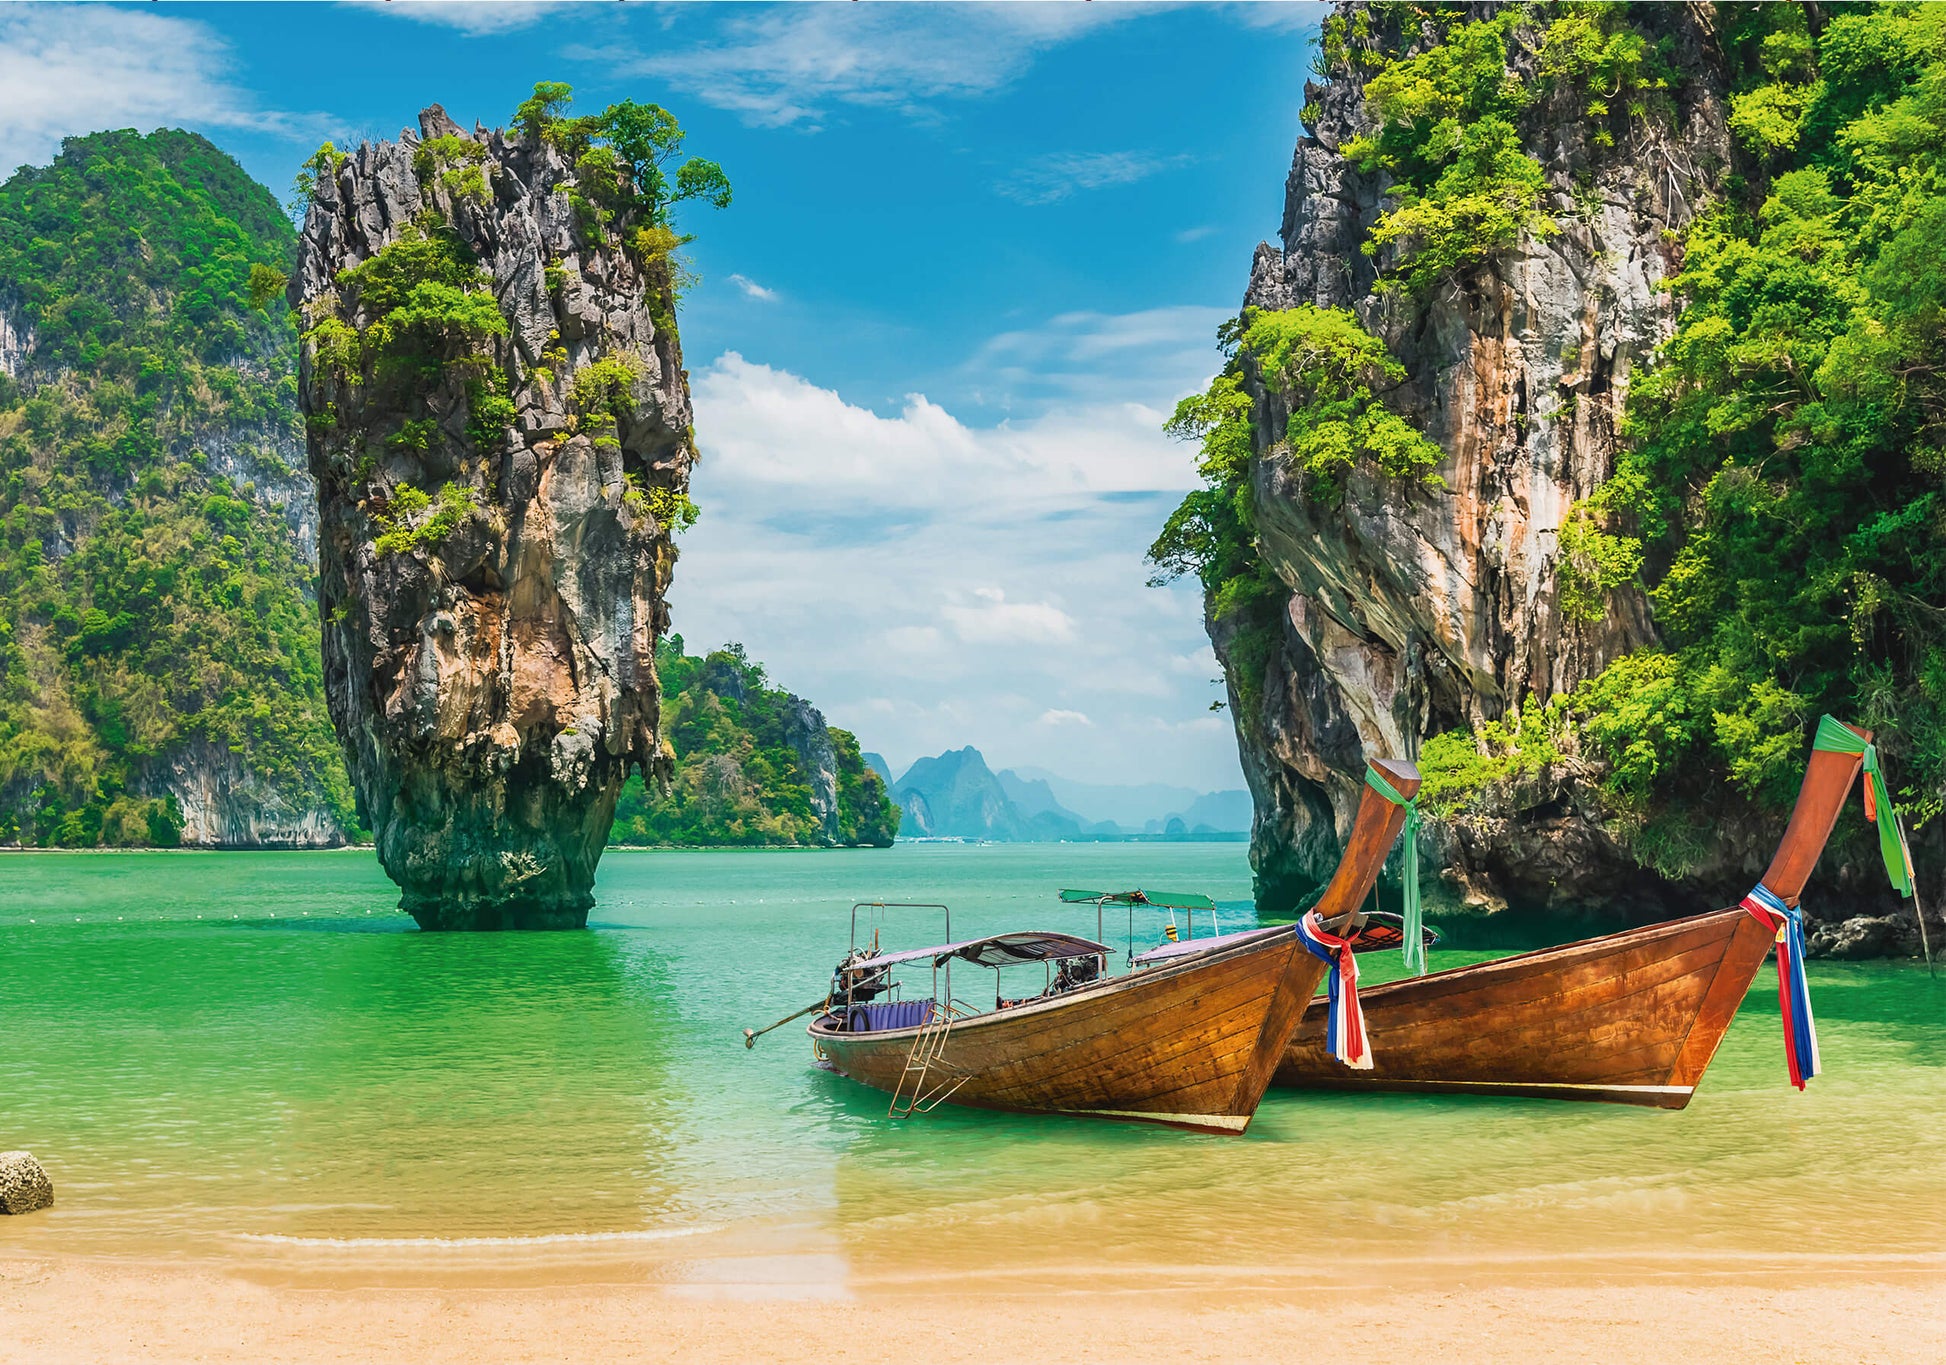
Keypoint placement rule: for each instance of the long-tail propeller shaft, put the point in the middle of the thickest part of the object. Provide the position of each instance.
(750, 1036)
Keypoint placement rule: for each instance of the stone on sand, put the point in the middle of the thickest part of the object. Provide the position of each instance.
(24, 1186)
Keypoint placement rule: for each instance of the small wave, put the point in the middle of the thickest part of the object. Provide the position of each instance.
(543, 1239)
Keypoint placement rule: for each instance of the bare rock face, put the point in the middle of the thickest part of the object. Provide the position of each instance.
(1413, 611)
(499, 429)
(809, 737)
(225, 805)
(24, 1186)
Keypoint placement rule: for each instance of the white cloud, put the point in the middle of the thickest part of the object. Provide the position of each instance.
(800, 450)
(996, 621)
(789, 64)
(1195, 234)
(474, 18)
(1159, 353)
(931, 583)
(72, 69)
(754, 290)
(1051, 179)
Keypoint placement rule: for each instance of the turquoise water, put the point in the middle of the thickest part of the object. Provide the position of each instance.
(255, 1055)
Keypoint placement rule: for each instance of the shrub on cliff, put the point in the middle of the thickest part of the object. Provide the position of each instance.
(1450, 117)
(1328, 372)
(630, 155)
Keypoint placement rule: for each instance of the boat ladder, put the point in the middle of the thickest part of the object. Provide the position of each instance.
(928, 1090)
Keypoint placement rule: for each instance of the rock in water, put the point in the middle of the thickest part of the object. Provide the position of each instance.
(499, 429)
(24, 1186)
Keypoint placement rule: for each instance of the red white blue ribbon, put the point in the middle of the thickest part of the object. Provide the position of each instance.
(1344, 1032)
(1793, 992)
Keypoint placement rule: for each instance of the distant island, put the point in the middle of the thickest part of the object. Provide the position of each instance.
(957, 796)
(755, 765)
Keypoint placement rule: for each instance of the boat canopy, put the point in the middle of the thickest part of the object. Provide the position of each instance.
(996, 950)
(1169, 951)
(1161, 900)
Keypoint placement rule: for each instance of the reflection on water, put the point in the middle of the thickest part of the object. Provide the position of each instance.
(298, 1073)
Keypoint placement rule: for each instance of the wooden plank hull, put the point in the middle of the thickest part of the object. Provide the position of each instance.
(1630, 1018)
(1191, 1045)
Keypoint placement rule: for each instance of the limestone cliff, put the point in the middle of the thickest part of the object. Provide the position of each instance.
(1413, 611)
(159, 675)
(499, 430)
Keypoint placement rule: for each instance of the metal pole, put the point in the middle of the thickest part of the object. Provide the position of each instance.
(1918, 910)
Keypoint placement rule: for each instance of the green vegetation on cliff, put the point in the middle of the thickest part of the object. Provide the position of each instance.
(1779, 494)
(1785, 482)
(748, 757)
(153, 596)
(1462, 187)
(1326, 370)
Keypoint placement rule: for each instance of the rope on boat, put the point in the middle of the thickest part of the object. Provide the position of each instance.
(1787, 921)
(1793, 990)
(1414, 945)
(1344, 1032)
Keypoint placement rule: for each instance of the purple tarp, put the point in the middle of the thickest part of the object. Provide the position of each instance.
(889, 1014)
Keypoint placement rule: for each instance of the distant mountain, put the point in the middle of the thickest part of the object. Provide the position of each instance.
(884, 770)
(957, 796)
(1035, 799)
(1228, 812)
(1147, 807)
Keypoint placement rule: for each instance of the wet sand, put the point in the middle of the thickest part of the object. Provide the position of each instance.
(59, 1309)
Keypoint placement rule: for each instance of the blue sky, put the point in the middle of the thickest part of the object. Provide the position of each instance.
(976, 255)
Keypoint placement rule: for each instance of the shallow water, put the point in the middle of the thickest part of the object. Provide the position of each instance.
(255, 1057)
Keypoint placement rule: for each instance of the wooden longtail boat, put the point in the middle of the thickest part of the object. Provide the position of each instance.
(1631, 1018)
(1189, 1042)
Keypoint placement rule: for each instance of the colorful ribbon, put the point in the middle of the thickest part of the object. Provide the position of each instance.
(1414, 944)
(1344, 1032)
(1834, 736)
(1793, 991)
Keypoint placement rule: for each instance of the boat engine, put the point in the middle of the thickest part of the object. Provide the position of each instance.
(1075, 972)
(857, 980)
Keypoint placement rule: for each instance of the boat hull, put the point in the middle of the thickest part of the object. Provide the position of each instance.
(1190, 1045)
(1630, 1018)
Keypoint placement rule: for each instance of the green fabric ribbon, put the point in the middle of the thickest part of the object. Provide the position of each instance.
(1414, 946)
(1836, 737)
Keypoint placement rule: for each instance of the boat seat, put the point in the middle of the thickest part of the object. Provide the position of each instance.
(889, 1014)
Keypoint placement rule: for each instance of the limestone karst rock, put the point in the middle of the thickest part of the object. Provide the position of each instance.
(499, 429)
(1414, 611)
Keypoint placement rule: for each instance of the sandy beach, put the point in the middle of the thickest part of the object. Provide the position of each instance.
(60, 1309)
